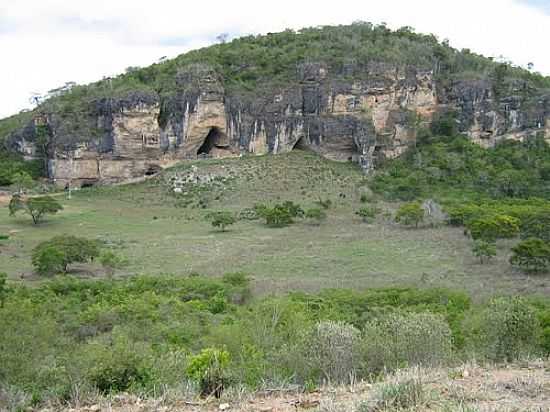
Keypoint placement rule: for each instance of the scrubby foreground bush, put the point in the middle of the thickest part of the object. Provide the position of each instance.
(71, 338)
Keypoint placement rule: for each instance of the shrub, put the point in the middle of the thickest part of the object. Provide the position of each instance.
(395, 396)
(118, 366)
(491, 228)
(36, 207)
(410, 214)
(279, 215)
(399, 340)
(531, 254)
(484, 250)
(368, 213)
(315, 215)
(111, 261)
(333, 349)
(536, 225)
(55, 255)
(506, 329)
(208, 368)
(221, 219)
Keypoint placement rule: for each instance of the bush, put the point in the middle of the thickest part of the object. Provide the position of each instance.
(536, 225)
(118, 366)
(111, 261)
(491, 228)
(36, 207)
(208, 368)
(410, 214)
(368, 213)
(55, 255)
(333, 350)
(395, 396)
(506, 330)
(400, 340)
(484, 250)
(279, 215)
(221, 219)
(315, 215)
(531, 254)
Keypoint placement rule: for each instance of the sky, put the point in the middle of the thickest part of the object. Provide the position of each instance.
(46, 43)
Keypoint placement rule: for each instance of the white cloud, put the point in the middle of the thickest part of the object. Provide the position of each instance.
(45, 43)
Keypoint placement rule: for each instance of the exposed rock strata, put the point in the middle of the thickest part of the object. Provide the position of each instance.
(347, 120)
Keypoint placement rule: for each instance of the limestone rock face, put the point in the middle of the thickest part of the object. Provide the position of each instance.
(373, 116)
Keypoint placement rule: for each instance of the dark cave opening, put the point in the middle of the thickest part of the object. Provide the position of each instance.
(213, 138)
(301, 144)
(152, 170)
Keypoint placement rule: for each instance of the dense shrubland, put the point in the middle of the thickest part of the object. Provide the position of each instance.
(71, 338)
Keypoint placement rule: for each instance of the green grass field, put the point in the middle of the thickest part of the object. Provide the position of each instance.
(148, 225)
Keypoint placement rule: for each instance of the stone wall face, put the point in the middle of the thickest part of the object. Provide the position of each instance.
(374, 116)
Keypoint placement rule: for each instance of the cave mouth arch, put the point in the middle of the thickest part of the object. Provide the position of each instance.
(213, 139)
(301, 144)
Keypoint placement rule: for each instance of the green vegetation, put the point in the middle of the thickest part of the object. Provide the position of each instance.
(55, 255)
(221, 219)
(484, 250)
(368, 213)
(491, 228)
(138, 333)
(410, 214)
(208, 368)
(111, 261)
(281, 214)
(532, 254)
(36, 207)
(454, 167)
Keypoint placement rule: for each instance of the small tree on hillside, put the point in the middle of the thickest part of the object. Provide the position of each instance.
(55, 255)
(221, 219)
(22, 181)
(484, 250)
(36, 207)
(531, 254)
(410, 214)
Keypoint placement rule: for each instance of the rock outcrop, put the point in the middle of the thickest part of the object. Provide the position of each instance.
(376, 115)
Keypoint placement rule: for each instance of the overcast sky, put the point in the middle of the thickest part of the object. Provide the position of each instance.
(45, 43)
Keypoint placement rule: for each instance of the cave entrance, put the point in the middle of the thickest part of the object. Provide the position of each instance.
(215, 144)
(301, 144)
(152, 170)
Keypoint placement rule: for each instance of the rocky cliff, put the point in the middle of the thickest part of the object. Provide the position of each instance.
(358, 112)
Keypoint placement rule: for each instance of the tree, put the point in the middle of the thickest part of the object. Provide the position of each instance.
(55, 255)
(491, 228)
(316, 215)
(111, 261)
(410, 214)
(221, 219)
(36, 207)
(22, 181)
(484, 250)
(532, 254)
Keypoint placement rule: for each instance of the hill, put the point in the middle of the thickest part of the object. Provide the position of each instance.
(358, 92)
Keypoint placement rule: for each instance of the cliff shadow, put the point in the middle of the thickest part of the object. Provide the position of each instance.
(216, 144)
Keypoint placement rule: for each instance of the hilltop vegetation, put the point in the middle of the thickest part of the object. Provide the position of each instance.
(249, 64)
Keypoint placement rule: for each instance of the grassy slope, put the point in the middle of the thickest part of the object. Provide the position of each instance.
(158, 237)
